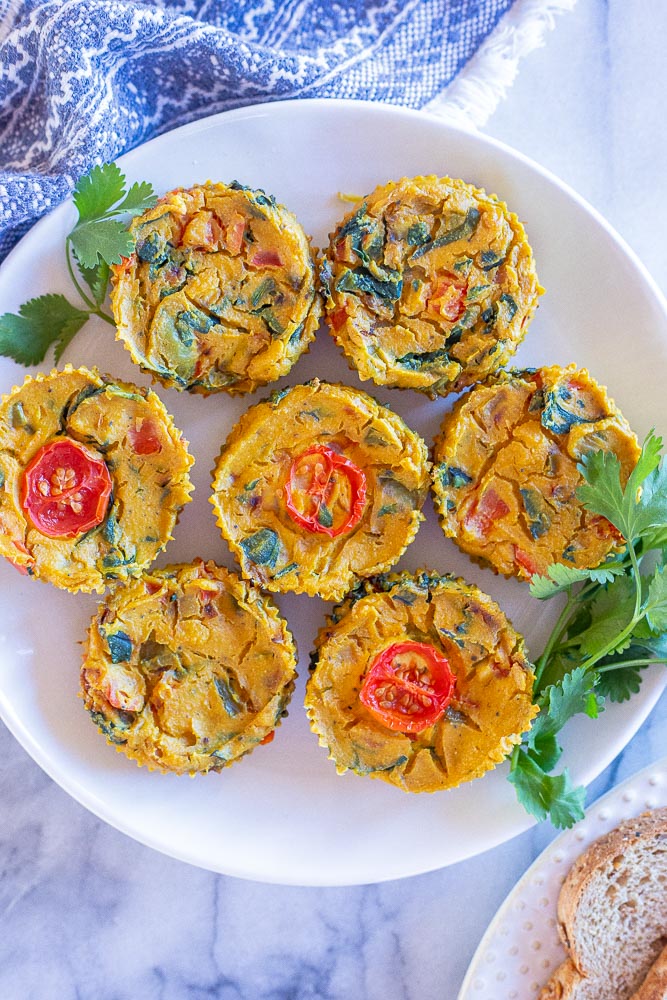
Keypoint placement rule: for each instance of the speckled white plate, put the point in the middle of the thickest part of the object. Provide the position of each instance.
(521, 947)
(283, 814)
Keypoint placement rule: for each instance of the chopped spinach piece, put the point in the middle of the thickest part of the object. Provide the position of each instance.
(325, 517)
(425, 359)
(228, 696)
(387, 508)
(285, 570)
(191, 321)
(2, 478)
(463, 231)
(109, 726)
(278, 394)
(250, 486)
(296, 335)
(537, 511)
(326, 277)
(558, 414)
(111, 530)
(451, 475)
(20, 420)
(490, 259)
(362, 280)
(373, 438)
(536, 404)
(120, 647)
(406, 597)
(418, 234)
(153, 249)
(264, 290)
(354, 223)
(270, 319)
(512, 307)
(476, 291)
(262, 548)
(463, 266)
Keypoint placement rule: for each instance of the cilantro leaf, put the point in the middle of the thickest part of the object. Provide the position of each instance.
(98, 191)
(545, 795)
(97, 241)
(643, 502)
(612, 610)
(97, 279)
(656, 608)
(140, 197)
(655, 539)
(602, 492)
(620, 683)
(559, 577)
(567, 801)
(571, 696)
(652, 502)
(40, 323)
(648, 462)
(105, 239)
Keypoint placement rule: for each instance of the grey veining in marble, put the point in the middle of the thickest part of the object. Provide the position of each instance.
(87, 913)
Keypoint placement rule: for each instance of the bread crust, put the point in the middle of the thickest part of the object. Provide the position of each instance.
(648, 827)
(654, 986)
(615, 894)
(564, 984)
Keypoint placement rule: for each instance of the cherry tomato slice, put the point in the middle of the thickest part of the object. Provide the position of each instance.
(66, 489)
(325, 492)
(408, 686)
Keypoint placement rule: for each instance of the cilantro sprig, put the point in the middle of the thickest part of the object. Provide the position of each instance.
(612, 626)
(98, 240)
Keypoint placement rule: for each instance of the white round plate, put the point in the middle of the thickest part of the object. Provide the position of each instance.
(283, 814)
(521, 948)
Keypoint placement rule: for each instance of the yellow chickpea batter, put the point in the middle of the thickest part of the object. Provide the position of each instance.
(505, 470)
(188, 668)
(430, 285)
(220, 292)
(93, 475)
(490, 706)
(317, 487)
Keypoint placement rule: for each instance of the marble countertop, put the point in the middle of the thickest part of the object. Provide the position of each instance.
(87, 912)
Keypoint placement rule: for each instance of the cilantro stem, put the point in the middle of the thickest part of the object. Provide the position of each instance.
(629, 663)
(638, 580)
(556, 633)
(92, 306)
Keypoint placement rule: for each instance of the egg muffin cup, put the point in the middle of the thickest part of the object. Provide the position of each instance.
(220, 293)
(188, 668)
(317, 487)
(93, 475)
(505, 471)
(420, 681)
(429, 285)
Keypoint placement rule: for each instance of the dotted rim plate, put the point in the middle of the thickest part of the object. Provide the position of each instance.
(521, 948)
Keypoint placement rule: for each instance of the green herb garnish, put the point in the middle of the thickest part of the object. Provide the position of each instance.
(613, 626)
(98, 240)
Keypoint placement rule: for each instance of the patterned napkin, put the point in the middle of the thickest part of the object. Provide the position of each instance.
(82, 81)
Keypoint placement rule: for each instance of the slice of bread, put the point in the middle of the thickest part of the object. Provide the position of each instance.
(612, 913)
(654, 986)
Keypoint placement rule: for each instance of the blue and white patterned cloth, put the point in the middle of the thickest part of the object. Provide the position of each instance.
(82, 81)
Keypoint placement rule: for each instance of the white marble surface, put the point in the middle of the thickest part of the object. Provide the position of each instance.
(85, 912)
